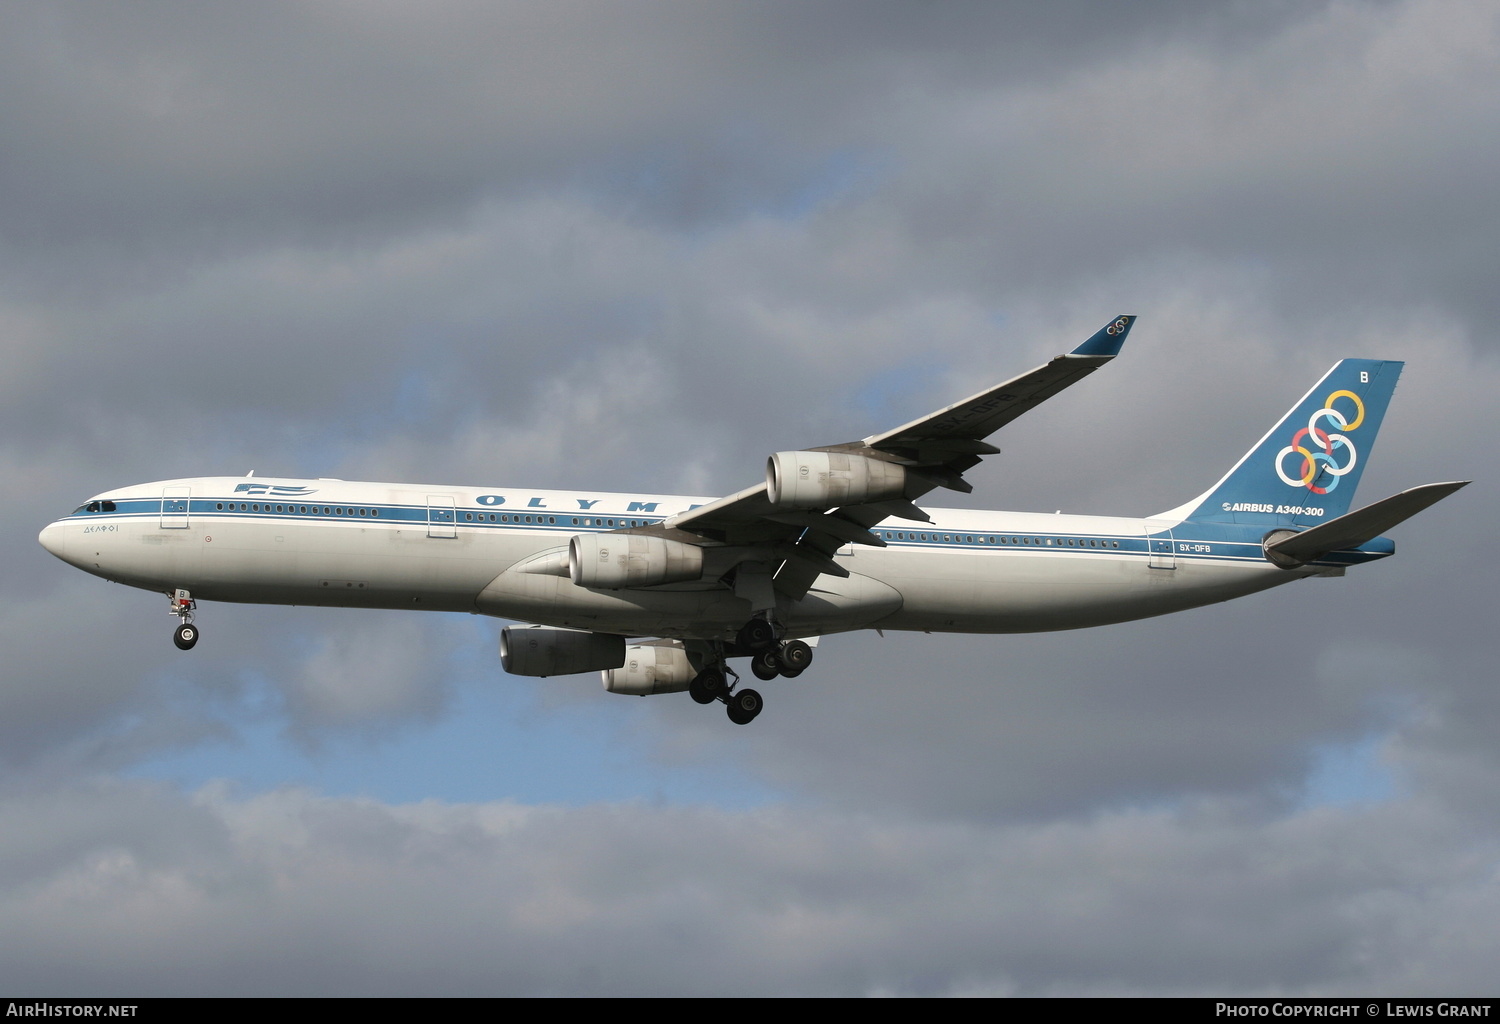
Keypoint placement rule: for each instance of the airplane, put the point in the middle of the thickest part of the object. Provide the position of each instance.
(659, 592)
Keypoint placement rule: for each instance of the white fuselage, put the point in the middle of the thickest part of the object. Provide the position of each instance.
(444, 548)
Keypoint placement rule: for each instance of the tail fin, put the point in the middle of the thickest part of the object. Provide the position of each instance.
(1305, 470)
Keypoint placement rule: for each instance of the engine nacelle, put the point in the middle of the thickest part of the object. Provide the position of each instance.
(614, 561)
(549, 651)
(651, 668)
(829, 479)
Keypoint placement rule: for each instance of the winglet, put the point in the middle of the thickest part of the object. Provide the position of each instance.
(1107, 341)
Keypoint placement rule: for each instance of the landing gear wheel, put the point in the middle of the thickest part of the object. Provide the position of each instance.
(756, 635)
(186, 635)
(794, 656)
(707, 686)
(744, 705)
(765, 665)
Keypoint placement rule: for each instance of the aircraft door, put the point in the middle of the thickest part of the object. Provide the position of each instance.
(1162, 548)
(442, 517)
(174, 507)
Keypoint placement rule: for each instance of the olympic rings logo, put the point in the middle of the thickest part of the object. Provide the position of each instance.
(1324, 443)
(1118, 327)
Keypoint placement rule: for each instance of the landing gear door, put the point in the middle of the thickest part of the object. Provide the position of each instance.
(1161, 548)
(442, 518)
(174, 507)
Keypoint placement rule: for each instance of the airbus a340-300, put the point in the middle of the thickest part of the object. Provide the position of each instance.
(659, 592)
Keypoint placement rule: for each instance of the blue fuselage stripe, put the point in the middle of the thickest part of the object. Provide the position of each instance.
(1210, 542)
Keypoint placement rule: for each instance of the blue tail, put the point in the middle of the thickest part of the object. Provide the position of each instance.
(1305, 470)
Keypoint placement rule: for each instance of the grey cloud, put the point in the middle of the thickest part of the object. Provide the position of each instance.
(289, 894)
(300, 119)
(338, 241)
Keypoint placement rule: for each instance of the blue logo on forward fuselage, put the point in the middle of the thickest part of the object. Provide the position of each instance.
(276, 489)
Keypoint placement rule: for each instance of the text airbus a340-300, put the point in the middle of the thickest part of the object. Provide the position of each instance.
(660, 592)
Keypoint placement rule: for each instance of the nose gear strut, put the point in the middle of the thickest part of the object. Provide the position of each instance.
(182, 606)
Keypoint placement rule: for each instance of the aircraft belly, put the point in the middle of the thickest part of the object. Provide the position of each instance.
(833, 605)
(557, 601)
(136, 554)
(322, 564)
(1015, 592)
(836, 605)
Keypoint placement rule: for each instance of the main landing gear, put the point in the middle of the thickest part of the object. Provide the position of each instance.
(709, 685)
(744, 705)
(788, 659)
(713, 684)
(771, 658)
(186, 634)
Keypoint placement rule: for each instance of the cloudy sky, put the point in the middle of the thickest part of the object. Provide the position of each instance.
(638, 247)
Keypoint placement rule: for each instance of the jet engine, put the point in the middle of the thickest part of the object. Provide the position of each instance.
(651, 668)
(549, 651)
(614, 561)
(829, 479)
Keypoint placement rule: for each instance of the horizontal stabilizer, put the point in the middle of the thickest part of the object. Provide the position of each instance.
(1354, 529)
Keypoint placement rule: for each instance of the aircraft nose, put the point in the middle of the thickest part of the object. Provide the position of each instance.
(53, 539)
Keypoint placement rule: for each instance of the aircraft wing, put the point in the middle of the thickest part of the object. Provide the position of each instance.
(933, 451)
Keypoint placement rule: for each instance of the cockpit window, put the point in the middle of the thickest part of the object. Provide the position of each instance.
(92, 506)
(95, 506)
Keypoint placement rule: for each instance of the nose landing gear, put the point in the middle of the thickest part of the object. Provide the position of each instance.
(182, 606)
